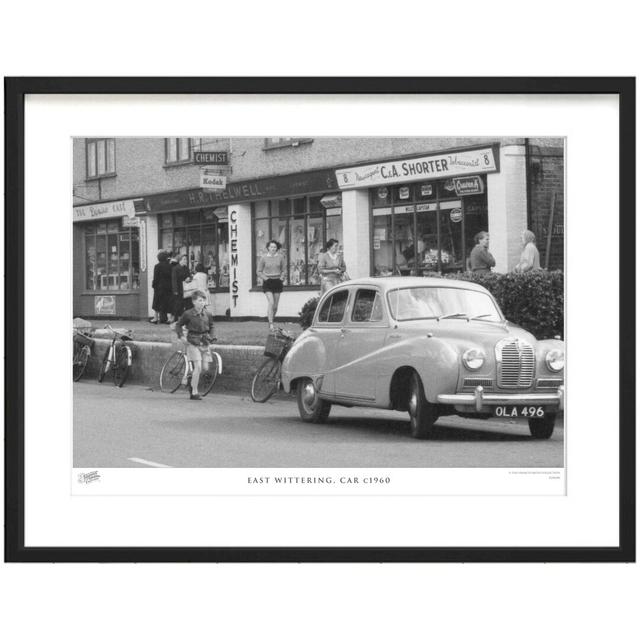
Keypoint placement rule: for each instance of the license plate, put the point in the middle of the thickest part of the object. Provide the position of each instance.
(502, 411)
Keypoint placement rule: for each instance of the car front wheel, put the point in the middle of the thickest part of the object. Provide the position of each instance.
(422, 414)
(542, 428)
(312, 408)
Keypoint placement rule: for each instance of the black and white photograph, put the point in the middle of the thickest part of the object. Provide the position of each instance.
(325, 312)
(324, 304)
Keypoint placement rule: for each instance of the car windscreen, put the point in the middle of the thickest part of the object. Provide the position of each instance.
(419, 303)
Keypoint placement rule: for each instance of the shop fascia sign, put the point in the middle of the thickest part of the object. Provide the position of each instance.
(431, 167)
(259, 189)
(116, 209)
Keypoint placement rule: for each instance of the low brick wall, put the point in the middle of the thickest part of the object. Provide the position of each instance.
(239, 363)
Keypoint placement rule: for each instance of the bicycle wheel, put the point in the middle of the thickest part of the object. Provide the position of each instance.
(121, 366)
(103, 365)
(208, 378)
(266, 380)
(80, 359)
(173, 371)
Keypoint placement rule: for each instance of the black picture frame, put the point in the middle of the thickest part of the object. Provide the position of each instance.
(16, 89)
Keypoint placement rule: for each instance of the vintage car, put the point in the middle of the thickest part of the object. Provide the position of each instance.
(428, 346)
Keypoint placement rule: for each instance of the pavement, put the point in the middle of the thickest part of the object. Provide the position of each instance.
(249, 332)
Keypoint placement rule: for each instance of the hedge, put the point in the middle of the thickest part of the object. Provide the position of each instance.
(533, 300)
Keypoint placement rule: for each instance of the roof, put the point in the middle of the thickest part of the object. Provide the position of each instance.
(394, 282)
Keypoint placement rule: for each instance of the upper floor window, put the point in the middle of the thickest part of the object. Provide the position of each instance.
(180, 150)
(101, 157)
(276, 143)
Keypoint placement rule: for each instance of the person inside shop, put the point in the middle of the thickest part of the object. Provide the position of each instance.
(195, 329)
(331, 266)
(162, 303)
(480, 260)
(179, 273)
(271, 270)
(530, 256)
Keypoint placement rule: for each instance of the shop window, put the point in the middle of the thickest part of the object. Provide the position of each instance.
(112, 257)
(427, 228)
(180, 150)
(301, 226)
(101, 157)
(203, 236)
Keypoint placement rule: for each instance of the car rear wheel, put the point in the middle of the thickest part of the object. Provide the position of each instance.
(312, 408)
(542, 428)
(422, 414)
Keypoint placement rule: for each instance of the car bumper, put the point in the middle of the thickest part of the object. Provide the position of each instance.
(479, 399)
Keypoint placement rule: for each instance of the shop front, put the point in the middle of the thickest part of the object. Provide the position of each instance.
(407, 216)
(227, 230)
(424, 211)
(109, 248)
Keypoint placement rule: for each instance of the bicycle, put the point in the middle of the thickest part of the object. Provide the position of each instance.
(82, 345)
(266, 380)
(118, 357)
(178, 369)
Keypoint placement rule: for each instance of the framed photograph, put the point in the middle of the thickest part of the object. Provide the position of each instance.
(320, 319)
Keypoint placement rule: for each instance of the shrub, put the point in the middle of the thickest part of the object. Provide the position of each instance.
(305, 317)
(533, 300)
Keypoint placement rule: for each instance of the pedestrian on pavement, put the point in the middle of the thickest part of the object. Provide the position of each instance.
(272, 270)
(201, 282)
(200, 333)
(480, 260)
(530, 256)
(179, 273)
(331, 266)
(162, 294)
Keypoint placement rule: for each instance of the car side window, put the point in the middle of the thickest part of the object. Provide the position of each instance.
(333, 308)
(367, 306)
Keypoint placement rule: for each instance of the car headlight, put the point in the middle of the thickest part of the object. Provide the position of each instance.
(473, 358)
(555, 360)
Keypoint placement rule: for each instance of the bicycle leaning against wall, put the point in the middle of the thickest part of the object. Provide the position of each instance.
(82, 345)
(266, 380)
(118, 357)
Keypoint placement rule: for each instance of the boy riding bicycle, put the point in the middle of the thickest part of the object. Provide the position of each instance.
(197, 323)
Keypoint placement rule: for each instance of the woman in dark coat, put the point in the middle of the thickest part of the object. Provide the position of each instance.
(179, 273)
(162, 293)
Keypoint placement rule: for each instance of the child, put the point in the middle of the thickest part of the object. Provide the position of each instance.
(198, 323)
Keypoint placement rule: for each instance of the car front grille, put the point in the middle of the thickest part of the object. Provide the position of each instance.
(516, 364)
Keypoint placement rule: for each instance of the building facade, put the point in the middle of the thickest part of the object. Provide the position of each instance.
(405, 206)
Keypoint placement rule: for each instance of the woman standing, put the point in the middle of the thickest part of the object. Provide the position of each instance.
(530, 257)
(330, 266)
(201, 281)
(271, 270)
(480, 260)
(179, 274)
(162, 298)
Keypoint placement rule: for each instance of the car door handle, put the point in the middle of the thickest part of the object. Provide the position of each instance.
(395, 336)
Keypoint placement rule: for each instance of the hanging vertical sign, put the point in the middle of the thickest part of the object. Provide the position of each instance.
(233, 255)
